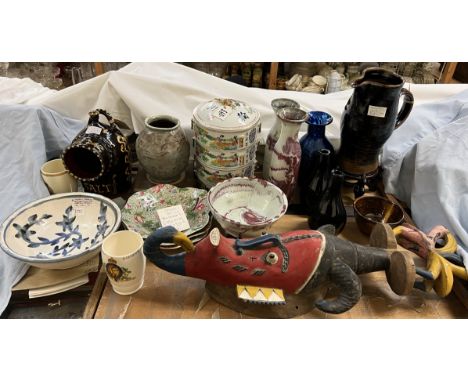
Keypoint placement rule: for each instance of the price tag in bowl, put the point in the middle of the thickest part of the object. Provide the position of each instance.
(80, 204)
(174, 216)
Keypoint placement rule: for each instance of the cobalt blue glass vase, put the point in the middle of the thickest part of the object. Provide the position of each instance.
(312, 143)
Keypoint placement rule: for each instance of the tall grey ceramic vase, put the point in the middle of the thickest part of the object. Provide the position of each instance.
(163, 150)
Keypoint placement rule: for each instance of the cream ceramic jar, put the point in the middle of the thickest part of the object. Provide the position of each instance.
(224, 159)
(226, 133)
(226, 124)
(209, 176)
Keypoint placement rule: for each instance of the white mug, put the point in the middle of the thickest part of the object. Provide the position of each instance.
(57, 178)
(124, 262)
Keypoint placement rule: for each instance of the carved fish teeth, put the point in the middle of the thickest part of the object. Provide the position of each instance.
(260, 294)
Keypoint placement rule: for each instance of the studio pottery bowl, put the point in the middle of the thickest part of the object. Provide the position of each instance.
(246, 206)
(369, 210)
(60, 231)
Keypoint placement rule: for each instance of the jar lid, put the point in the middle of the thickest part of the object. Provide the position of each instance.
(226, 115)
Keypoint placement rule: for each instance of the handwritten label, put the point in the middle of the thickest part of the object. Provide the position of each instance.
(221, 112)
(93, 130)
(377, 111)
(174, 216)
(79, 205)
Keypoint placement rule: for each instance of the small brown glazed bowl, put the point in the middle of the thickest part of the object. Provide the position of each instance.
(369, 210)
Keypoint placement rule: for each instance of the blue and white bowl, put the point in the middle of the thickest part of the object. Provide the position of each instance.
(60, 231)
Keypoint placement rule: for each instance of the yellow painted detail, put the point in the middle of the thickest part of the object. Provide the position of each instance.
(433, 264)
(444, 283)
(443, 272)
(252, 291)
(279, 292)
(450, 246)
(459, 272)
(260, 293)
(181, 239)
(267, 292)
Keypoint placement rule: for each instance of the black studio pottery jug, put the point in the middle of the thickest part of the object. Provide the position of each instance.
(99, 157)
(369, 118)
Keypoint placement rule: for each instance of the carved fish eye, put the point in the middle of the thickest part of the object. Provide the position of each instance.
(271, 258)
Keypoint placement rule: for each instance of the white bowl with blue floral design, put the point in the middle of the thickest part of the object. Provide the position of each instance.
(60, 231)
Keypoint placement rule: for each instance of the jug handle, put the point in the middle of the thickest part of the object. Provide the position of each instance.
(405, 108)
(94, 116)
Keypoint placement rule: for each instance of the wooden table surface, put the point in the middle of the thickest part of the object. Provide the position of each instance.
(165, 295)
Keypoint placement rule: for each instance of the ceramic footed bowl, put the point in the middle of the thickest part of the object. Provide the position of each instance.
(246, 206)
(60, 231)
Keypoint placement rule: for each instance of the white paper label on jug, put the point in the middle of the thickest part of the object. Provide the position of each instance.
(377, 111)
(221, 112)
(93, 130)
(79, 205)
(174, 216)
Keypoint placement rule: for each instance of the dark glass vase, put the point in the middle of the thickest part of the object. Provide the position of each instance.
(99, 157)
(312, 143)
(329, 209)
(319, 180)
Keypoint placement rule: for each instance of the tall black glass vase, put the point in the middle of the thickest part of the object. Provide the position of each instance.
(329, 208)
(318, 179)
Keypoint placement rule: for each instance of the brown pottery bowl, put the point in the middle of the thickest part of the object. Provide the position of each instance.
(369, 210)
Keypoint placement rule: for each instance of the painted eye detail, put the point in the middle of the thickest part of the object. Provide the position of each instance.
(271, 258)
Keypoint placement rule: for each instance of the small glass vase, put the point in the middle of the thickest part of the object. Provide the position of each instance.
(329, 209)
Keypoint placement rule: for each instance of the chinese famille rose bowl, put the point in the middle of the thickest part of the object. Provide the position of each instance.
(140, 212)
(246, 206)
(60, 231)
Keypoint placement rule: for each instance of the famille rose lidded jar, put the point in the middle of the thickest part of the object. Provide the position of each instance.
(226, 134)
